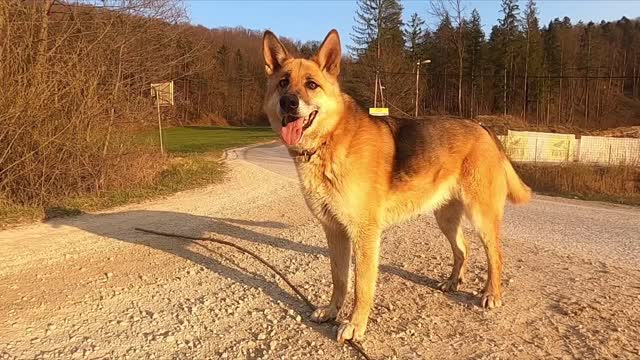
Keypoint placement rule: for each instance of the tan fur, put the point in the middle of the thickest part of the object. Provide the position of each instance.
(366, 173)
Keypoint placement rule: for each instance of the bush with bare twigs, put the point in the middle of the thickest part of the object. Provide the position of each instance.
(75, 82)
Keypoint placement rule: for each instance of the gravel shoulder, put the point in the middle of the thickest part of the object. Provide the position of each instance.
(93, 287)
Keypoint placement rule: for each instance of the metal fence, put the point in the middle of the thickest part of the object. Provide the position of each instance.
(527, 146)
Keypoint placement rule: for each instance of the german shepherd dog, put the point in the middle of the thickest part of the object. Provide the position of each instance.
(361, 174)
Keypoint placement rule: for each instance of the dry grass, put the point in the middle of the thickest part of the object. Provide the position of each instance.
(180, 174)
(619, 184)
(138, 176)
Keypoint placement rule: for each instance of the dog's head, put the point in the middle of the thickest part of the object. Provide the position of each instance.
(303, 99)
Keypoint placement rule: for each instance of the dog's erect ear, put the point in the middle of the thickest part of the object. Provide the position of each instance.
(274, 52)
(330, 54)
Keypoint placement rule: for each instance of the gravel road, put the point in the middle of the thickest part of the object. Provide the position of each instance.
(91, 287)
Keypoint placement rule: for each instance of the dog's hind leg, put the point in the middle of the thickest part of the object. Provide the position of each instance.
(340, 257)
(449, 219)
(486, 220)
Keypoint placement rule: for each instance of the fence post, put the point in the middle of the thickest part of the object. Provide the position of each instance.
(609, 153)
(535, 155)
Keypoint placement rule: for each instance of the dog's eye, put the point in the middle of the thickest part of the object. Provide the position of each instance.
(311, 85)
(284, 83)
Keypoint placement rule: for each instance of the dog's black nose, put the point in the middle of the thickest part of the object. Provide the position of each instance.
(289, 104)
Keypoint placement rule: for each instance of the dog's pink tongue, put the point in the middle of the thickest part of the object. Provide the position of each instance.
(292, 133)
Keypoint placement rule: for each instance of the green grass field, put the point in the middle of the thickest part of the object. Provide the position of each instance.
(211, 139)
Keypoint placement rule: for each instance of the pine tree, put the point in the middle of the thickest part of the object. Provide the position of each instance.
(414, 35)
(552, 55)
(533, 55)
(506, 36)
(474, 46)
(441, 64)
(454, 11)
(379, 52)
(377, 22)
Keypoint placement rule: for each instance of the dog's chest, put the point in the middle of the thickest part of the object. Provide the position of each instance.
(320, 187)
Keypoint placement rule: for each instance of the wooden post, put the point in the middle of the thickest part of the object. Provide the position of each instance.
(159, 122)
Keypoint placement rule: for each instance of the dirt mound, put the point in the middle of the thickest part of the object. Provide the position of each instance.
(625, 131)
(501, 124)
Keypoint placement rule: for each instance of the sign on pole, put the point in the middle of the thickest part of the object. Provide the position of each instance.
(163, 94)
(379, 111)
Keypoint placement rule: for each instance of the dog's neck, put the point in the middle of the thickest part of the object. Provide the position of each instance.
(303, 155)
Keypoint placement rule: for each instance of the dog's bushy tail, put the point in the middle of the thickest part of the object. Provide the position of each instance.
(518, 191)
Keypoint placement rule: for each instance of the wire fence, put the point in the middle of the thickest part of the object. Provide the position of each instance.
(527, 146)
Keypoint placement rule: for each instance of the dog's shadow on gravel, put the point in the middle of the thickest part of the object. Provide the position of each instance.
(121, 226)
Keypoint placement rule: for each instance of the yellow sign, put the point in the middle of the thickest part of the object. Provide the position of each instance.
(379, 111)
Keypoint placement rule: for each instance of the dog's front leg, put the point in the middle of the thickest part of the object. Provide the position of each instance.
(366, 246)
(340, 257)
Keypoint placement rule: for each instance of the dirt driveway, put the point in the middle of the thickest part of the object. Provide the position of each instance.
(91, 287)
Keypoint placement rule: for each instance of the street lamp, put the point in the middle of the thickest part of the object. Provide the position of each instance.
(418, 79)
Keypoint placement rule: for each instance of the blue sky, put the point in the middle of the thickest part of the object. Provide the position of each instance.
(312, 19)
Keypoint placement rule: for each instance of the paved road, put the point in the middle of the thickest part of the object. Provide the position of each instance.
(556, 222)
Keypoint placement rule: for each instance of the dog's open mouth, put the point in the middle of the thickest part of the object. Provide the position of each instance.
(293, 128)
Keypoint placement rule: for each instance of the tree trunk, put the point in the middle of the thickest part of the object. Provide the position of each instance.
(572, 101)
(481, 104)
(41, 57)
(504, 93)
(586, 106)
(624, 73)
(560, 88)
(526, 76)
(445, 90)
(460, 86)
(635, 76)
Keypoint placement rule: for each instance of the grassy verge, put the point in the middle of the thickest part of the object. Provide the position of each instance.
(192, 162)
(211, 140)
(618, 184)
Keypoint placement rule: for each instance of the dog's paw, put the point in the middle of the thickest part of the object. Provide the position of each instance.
(350, 331)
(450, 285)
(490, 300)
(324, 313)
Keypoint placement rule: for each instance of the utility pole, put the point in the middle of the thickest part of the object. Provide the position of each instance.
(375, 96)
(418, 81)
